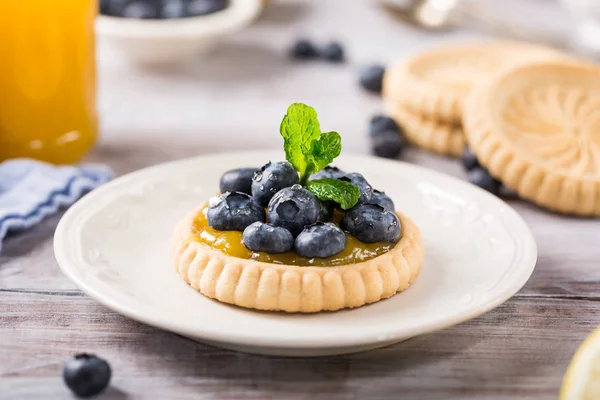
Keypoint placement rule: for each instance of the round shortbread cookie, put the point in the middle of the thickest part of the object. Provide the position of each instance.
(435, 83)
(276, 287)
(537, 129)
(440, 137)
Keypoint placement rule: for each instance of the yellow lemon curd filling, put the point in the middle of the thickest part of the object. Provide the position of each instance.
(230, 243)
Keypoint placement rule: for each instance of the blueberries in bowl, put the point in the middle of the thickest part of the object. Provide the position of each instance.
(271, 178)
(237, 180)
(157, 9)
(371, 223)
(321, 239)
(293, 208)
(270, 239)
(86, 375)
(234, 211)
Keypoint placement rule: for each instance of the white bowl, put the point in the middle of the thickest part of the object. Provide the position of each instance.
(166, 41)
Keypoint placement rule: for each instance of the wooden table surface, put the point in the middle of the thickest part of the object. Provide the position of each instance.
(235, 99)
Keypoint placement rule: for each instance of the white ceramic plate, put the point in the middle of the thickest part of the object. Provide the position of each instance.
(114, 245)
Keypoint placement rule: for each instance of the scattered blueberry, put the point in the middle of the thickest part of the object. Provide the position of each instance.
(388, 144)
(321, 239)
(293, 208)
(237, 180)
(326, 211)
(303, 50)
(140, 10)
(383, 200)
(270, 239)
(482, 178)
(381, 123)
(173, 9)
(371, 223)
(469, 160)
(371, 78)
(328, 172)
(366, 191)
(234, 211)
(271, 178)
(198, 8)
(333, 52)
(86, 375)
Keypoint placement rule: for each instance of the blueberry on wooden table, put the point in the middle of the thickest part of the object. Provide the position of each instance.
(198, 8)
(388, 144)
(321, 239)
(303, 49)
(469, 160)
(86, 375)
(381, 123)
(333, 52)
(480, 177)
(371, 78)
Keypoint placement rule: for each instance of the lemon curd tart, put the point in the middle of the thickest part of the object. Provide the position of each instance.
(298, 235)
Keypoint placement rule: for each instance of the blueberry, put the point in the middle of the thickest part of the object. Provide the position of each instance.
(321, 239)
(271, 179)
(293, 208)
(198, 8)
(270, 239)
(234, 211)
(469, 160)
(86, 375)
(371, 78)
(303, 50)
(328, 172)
(381, 123)
(383, 200)
(140, 10)
(173, 9)
(237, 180)
(112, 7)
(388, 144)
(366, 191)
(371, 223)
(482, 178)
(326, 211)
(333, 52)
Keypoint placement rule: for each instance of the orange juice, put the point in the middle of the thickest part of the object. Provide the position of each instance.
(47, 79)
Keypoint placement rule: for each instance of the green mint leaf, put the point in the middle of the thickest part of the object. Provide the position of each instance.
(323, 150)
(343, 193)
(299, 128)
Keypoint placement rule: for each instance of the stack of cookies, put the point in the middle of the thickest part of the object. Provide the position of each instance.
(530, 116)
(425, 94)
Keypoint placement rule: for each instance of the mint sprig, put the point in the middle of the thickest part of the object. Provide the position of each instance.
(309, 151)
(343, 193)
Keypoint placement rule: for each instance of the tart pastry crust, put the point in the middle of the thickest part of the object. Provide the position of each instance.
(537, 129)
(275, 287)
(439, 137)
(435, 83)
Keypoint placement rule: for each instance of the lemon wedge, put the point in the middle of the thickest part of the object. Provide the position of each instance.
(582, 380)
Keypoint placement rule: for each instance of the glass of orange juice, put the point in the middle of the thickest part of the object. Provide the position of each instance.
(47, 79)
